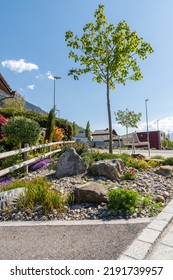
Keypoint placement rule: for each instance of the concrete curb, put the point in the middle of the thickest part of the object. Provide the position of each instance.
(74, 223)
(144, 243)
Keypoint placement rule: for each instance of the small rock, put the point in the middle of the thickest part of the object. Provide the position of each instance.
(160, 198)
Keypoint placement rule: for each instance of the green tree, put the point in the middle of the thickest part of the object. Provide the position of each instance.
(75, 129)
(50, 125)
(20, 130)
(17, 103)
(88, 131)
(127, 118)
(109, 52)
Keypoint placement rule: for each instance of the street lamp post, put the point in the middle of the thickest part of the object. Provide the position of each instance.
(55, 78)
(148, 138)
(158, 125)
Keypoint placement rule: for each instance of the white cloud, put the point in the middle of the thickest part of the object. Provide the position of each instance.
(165, 125)
(32, 87)
(19, 66)
(39, 76)
(49, 75)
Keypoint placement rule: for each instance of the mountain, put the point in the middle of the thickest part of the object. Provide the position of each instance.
(34, 108)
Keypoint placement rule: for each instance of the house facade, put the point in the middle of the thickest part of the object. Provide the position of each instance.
(80, 137)
(100, 138)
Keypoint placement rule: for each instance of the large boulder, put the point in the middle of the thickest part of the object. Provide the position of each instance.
(70, 164)
(10, 198)
(111, 169)
(165, 170)
(91, 192)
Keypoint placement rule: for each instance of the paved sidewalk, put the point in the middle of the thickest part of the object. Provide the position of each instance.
(155, 242)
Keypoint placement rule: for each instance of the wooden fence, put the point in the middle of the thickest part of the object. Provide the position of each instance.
(27, 161)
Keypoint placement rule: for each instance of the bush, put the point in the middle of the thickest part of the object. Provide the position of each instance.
(11, 161)
(122, 199)
(168, 161)
(20, 130)
(92, 157)
(39, 192)
(80, 147)
(130, 174)
(128, 201)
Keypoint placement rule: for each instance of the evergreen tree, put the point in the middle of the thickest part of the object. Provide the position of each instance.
(50, 125)
(88, 131)
(75, 129)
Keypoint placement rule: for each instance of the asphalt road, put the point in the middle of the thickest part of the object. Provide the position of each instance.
(95, 241)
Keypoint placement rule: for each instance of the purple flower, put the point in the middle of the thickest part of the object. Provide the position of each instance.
(39, 164)
(5, 181)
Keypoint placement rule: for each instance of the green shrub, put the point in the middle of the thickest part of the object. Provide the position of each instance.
(39, 192)
(92, 157)
(11, 161)
(157, 157)
(129, 174)
(122, 199)
(80, 147)
(128, 201)
(153, 163)
(168, 161)
(20, 130)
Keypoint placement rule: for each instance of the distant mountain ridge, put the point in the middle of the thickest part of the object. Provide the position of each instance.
(28, 105)
(34, 108)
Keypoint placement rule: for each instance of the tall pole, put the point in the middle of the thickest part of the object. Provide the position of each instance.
(158, 125)
(55, 78)
(148, 138)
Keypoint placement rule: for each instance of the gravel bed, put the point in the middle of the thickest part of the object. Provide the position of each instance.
(147, 182)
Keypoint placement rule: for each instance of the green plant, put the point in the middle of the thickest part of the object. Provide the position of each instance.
(80, 147)
(129, 201)
(122, 199)
(50, 125)
(110, 53)
(91, 157)
(157, 157)
(148, 202)
(39, 192)
(129, 174)
(20, 130)
(127, 118)
(11, 161)
(88, 131)
(168, 161)
(153, 163)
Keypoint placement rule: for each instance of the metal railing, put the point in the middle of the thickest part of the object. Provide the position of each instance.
(25, 152)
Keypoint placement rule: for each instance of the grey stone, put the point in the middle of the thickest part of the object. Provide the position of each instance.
(165, 170)
(160, 198)
(10, 198)
(70, 164)
(111, 169)
(91, 192)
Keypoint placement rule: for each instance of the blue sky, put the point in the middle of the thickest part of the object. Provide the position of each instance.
(33, 49)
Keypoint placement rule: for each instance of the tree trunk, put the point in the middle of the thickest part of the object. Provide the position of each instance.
(109, 117)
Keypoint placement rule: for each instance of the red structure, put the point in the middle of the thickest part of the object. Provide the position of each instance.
(155, 138)
(4, 86)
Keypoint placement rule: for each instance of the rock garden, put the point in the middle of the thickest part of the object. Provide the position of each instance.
(92, 185)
